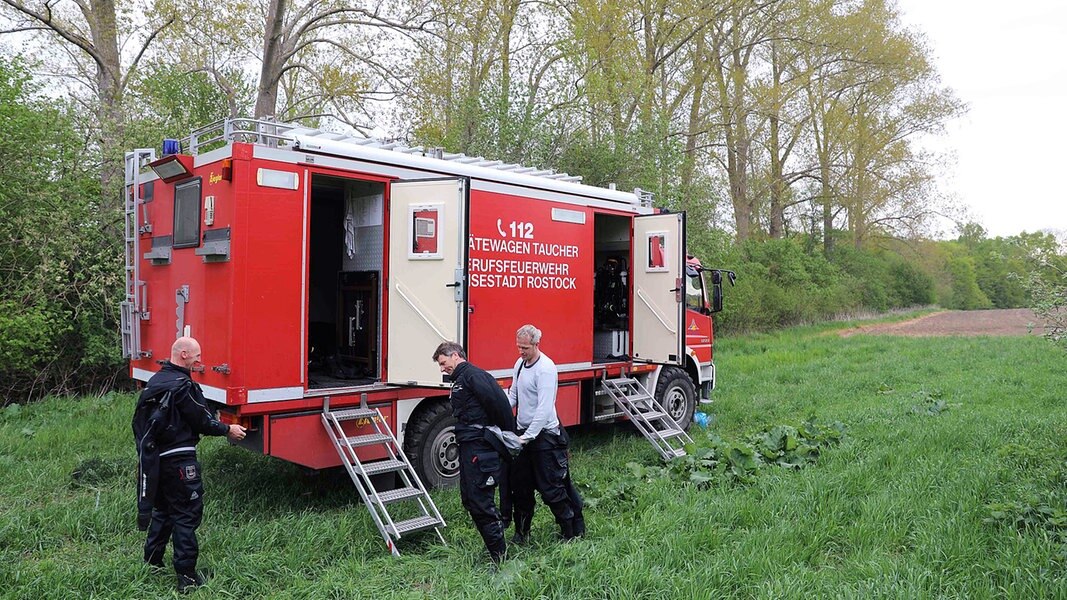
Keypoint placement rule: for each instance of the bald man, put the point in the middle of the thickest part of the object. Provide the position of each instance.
(178, 503)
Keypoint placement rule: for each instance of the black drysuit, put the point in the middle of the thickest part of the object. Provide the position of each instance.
(478, 402)
(178, 500)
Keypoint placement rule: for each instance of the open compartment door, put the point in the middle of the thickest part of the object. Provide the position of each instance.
(658, 307)
(427, 276)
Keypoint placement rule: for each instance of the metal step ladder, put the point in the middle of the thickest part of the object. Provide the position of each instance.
(648, 416)
(411, 488)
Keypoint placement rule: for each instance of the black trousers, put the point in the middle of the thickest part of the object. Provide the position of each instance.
(481, 470)
(176, 513)
(544, 466)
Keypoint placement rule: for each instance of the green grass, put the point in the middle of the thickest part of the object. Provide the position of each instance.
(898, 510)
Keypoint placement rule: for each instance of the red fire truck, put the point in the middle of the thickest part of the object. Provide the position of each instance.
(320, 271)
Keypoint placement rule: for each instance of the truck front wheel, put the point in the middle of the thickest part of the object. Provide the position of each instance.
(430, 444)
(677, 395)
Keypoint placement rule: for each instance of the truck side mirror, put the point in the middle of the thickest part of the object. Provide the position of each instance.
(716, 287)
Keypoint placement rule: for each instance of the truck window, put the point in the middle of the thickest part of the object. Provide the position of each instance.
(187, 214)
(694, 291)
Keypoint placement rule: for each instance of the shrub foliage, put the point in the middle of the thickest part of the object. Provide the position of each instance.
(59, 277)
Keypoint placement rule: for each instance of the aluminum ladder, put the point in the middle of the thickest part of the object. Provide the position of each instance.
(411, 488)
(648, 416)
(132, 309)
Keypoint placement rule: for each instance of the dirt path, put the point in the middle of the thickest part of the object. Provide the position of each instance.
(1008, 321)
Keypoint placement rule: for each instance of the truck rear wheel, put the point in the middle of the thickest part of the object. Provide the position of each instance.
(677, 395)
(430, 444)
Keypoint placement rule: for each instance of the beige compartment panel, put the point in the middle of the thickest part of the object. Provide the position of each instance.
(657, 270)
(426, 236)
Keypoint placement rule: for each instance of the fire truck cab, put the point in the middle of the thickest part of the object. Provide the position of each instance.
(322, 269)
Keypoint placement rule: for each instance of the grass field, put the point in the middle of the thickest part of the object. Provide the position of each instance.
(951, 483)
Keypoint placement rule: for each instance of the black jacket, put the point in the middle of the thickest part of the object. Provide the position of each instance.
(197, 419)
(478, 401)
(163, 424)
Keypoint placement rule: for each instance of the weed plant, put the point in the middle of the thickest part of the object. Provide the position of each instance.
(950, 483)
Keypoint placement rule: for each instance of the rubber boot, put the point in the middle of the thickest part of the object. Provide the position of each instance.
(493, 536)
(188, 582)
(578, 523)
(523, 521)
(498, 556)
(566, 529)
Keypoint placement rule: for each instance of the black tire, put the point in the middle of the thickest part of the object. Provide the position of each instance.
(677, 395)
(430, 444)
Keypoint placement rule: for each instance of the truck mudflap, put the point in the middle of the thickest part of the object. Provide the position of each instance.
(705, 393)
(707, 382)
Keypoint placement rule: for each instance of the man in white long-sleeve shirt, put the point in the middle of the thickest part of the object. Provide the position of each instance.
(544, 463)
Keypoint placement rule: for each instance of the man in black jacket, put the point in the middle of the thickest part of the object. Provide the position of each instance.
(178, 503)
(478, 403)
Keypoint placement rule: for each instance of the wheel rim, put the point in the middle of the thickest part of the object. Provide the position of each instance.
(675, 402)
(445, 454)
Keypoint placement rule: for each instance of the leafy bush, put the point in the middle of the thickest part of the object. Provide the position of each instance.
(910, 286)
(965, 293)
(1047, 286)
(780, 283)
(870, 274)
(1002, 264)
(59, 269)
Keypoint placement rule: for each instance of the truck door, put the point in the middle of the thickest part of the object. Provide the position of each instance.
(427, 276)
(658, 288)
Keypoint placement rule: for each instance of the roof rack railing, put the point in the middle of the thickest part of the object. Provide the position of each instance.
(644, 197)
(281, 135)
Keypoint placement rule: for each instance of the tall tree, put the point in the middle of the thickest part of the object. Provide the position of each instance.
(215, 38)
(786, 115)
(331, 55)
(899, 98)
(732, 50)
(492, 79)
(833, 71)
(95, 32)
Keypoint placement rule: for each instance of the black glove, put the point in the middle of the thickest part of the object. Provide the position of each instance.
(143, 520)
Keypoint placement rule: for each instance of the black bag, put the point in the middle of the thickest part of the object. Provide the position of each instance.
(155, 421)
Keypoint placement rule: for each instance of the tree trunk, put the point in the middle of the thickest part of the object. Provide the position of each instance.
(827, 221)
(109, 83)
(507, 24)
(270, 72)
(777, 191)
(688, 171)
(737, 166)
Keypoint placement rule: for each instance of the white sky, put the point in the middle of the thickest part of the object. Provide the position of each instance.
(1008, 62)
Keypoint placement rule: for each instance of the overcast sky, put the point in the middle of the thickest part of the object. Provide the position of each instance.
(1008, 62)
